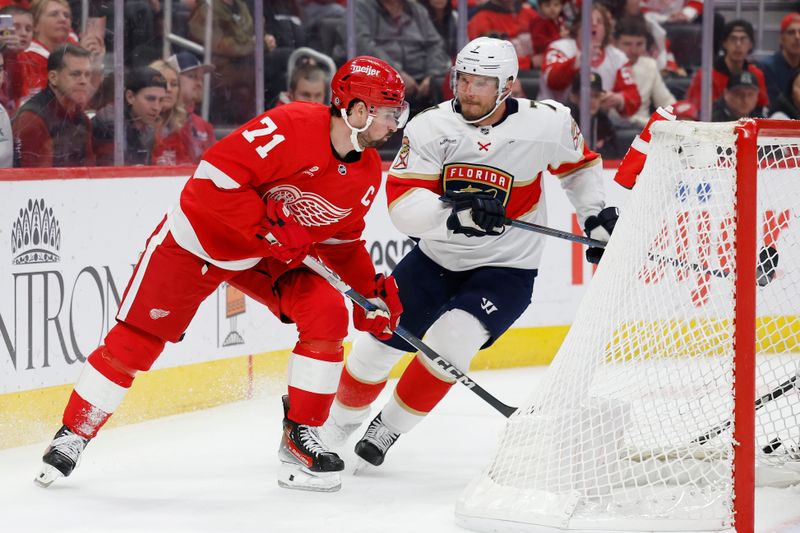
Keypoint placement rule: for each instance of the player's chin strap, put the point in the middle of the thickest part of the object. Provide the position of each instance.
(500, 100)
(355, 131)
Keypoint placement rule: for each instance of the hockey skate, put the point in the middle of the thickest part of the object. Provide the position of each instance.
(61, 456)
(306, 463)
(376, 442)
(335, 432)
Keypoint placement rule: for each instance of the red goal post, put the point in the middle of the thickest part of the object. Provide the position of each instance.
(675, 390)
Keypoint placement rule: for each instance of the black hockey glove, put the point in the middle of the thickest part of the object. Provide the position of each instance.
(600, 227)
(475, 214)
(767, 264)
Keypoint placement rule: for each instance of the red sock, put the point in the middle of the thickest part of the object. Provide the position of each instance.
(419, 389)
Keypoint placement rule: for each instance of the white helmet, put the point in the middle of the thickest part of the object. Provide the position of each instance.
(487, 56)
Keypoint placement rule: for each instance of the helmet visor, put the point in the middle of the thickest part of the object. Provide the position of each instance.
(474, 84)
(391, 117)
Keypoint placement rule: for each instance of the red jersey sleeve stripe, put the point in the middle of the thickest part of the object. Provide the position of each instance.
(563, 170)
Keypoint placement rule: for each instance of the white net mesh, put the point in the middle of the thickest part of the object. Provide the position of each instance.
(629, 429)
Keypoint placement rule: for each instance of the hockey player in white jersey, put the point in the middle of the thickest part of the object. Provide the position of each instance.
(464, 166)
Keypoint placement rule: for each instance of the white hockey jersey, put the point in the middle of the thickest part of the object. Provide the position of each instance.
(441, 152)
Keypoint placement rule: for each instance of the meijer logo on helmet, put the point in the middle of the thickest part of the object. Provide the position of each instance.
(365, 69)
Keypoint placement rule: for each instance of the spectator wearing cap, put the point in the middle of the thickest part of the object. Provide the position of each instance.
(51, 129)
(145, 90)
(739, 99)
(780, 66)
(631, 37)
(602, 134)
(197, 134)
(737, 43)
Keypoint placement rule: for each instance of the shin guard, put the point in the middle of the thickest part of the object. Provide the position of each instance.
(417, 393)
(100, 389)
(313, 377)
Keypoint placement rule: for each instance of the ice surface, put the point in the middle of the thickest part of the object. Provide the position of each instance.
(215, 471)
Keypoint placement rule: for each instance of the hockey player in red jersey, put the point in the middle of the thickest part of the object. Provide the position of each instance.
(295, 180)
(469, 278)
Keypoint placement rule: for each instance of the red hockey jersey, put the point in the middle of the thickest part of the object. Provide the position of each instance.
(284, 154)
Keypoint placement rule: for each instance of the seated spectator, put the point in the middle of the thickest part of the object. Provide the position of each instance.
(561, 65)
(6, 135)
(445, 20)
(145, 90)
(506, 19)
(601, 135)
(737, 43)
(307, 84)
(169, 148)
(780, 66)
(51, 129)
(631, 37)
(788, 104)
(232, 49)
(547, 28)
(197, 133)
(52, 27)
(673, 10)
(17, 41)
(401, 33)
(739, 99)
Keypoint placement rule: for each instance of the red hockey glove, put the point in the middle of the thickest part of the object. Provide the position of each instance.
(288, 239)
(383, 321)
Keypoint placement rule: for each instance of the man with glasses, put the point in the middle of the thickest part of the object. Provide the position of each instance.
(295, 180)
(464, 166)
(737, 42)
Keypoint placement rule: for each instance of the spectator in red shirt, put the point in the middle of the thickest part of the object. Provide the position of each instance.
(197, 133)
(562, 63)
(52, 27)
(548, 27)
(506, 20)
(169, 148)
(12, 44)
(51, 129)
(737, 43)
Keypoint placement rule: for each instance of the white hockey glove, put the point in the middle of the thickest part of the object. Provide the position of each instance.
(600, 227)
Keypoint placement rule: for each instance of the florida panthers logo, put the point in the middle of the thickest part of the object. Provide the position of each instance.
(310, 209)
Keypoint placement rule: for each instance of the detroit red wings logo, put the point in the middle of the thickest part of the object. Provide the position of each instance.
(310, 209)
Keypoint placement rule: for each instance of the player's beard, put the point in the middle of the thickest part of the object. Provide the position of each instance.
(366, 142)
(469, 111)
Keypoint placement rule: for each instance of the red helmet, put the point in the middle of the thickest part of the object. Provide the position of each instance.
(370, 80)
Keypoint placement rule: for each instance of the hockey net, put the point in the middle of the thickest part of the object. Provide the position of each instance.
(644, 420)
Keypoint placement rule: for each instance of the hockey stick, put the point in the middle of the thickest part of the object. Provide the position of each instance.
(767, 257)
(331, 277)
(775, 393)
